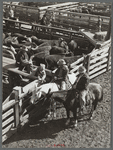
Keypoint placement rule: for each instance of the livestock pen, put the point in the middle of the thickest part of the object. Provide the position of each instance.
(97, 62)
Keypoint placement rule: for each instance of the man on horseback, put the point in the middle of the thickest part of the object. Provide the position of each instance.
(61, 73)
(81, 85)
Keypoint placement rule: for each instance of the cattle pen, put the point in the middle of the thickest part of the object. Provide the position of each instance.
(96, 63)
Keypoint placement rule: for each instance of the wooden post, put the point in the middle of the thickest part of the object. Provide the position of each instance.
(17, 91)
(86, 62)
(109, 31)
(33, 94)
(109, 55)
(99, 24)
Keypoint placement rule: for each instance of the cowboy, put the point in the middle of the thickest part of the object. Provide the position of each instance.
(81, 85)
(40, 73)
(61, 73)
(22, 59)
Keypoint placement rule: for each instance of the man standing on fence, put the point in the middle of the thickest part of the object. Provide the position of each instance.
(61, 73)
(22, 59)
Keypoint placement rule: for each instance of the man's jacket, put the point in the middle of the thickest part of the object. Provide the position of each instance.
(62, 72)
(22, 58)
(82, 81)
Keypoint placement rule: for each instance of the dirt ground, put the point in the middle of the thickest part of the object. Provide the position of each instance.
(95, 133)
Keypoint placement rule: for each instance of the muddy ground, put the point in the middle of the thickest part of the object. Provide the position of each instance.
(93, 133)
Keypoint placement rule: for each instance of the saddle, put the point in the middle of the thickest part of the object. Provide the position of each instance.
(67, 82)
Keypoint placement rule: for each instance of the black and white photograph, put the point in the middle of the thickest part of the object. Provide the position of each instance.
(56, 74)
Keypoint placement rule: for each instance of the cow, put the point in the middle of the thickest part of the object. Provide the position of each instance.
(42, 49)
(42, 42)
(51, 60)
(40, 58)
(20, 37)
(84, 48)
(58, 50)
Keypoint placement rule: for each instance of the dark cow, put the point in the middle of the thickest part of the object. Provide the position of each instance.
(42, 49)
(59, 43)
(40, 58)
(51, 60)
(58, 50)
(84, 48)
(20, 37)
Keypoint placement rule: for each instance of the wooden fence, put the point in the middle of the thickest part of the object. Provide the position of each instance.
(16, 109)
(44, 32)
(75, 21)
(32, 14)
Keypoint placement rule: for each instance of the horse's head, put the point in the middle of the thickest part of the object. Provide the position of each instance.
(40, 95)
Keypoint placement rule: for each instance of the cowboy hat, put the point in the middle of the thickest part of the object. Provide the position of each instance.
(61, 62)
(81, 69)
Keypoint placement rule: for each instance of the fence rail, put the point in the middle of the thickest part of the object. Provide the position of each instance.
(88, 21)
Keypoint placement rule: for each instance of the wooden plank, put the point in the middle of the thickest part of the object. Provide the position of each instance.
(78, 61)
(98, 58)
(8, 105)
(17, 91)
(7, 121)
(75, 69)
(8, 134)
(97, 69)
(9, 112)
(97, 74)
(78, 14)
(7, 128)
(99, 51)
(97, 64)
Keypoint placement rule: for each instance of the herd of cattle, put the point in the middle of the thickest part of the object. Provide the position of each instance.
(46, 51)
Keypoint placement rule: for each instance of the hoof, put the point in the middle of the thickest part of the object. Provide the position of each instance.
(91, 118)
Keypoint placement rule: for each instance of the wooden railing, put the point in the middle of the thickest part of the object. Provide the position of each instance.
(32, 13)
(88, 21)
(44, 32)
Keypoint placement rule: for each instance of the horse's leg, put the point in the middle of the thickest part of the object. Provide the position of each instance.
(54, 109)
(50, 108)
(68, 115)
(94, 105)
(75, 114)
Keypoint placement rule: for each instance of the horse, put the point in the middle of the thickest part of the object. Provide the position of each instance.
(44, 88)
(70, 100)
